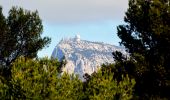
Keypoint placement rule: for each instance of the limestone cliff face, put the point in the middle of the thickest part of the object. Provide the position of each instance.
(84, 56)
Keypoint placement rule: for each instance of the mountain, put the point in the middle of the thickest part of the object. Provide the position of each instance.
(84, 56)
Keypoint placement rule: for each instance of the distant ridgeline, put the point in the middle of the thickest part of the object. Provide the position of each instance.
(84, 56)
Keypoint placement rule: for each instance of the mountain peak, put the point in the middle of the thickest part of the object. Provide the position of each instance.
(84, 56)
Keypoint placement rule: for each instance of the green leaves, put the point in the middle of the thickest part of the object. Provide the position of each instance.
(103, 86)
(39, 79)
(146, 37)
(20, 35)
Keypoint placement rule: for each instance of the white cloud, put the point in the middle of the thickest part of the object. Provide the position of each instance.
(72, 11)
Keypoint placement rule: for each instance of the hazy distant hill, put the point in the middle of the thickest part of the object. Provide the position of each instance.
(84, 56)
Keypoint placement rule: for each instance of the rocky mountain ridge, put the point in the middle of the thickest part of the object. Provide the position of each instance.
(84, 56)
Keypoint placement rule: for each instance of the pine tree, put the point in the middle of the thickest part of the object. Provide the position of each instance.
(40, 79)
(104, 86)
(147, 39)
(20, 34)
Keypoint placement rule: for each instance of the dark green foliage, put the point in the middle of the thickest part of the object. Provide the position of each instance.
(40, 79)
(104, 86)
(146, 37)
(20, 34)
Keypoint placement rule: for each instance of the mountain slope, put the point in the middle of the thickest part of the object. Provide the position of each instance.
(84, 56)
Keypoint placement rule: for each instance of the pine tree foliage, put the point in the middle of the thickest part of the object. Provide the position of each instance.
(146, 37)
(20, 34)
(103, 86)
(40, 79)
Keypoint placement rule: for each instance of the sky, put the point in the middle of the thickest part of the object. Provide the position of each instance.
(93, 20)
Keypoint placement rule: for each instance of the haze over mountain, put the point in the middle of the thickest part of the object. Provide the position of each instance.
(84, 56)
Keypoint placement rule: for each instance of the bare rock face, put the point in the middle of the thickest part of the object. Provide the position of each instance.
(84, 56)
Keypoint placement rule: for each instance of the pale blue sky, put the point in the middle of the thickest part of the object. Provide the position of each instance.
(94, 20)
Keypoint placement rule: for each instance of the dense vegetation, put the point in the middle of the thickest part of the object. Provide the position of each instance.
(144, 74)
(147, 39)
(40, 79)
(20, 35)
